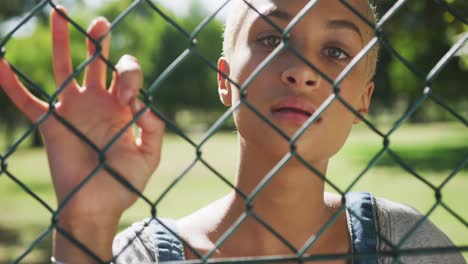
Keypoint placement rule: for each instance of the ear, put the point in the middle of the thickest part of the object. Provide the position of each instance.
(365, 101)
(224, 86)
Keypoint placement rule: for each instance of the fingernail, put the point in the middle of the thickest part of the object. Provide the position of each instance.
(60, 9)
(99, 18)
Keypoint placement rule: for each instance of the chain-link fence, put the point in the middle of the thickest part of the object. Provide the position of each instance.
(379, 39)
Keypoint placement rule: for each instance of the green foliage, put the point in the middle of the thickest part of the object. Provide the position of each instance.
(422, 32)
(14, 7)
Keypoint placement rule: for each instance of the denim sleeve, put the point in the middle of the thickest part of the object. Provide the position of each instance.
(361, 226)
(395, 221)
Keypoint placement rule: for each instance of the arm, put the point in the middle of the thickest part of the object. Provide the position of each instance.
(92, 214)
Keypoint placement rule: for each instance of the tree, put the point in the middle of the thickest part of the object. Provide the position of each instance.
(422, 32)
(11, 8)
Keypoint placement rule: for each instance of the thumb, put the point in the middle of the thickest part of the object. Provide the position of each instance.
(151, 129)
(128, 80)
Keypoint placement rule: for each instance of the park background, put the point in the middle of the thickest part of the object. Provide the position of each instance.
(432, 141)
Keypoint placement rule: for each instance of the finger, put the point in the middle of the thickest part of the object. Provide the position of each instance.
(27, 103)
(95, 73)
(61, 60)
(128, 80)
(151, 127)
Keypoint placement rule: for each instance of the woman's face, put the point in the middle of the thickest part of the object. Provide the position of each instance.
(288, 91)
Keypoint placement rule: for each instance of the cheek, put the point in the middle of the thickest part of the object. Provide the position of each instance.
(239, 68)
(259, 87)
(351, 94)
(244, 62)
(352, 88)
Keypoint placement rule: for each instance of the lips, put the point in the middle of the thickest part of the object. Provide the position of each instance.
(293, 109)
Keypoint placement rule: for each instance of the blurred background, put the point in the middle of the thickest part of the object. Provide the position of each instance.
(432, 141)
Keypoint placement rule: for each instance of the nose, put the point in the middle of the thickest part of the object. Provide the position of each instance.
(300, 76)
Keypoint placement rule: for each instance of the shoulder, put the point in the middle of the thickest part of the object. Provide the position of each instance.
(399, 221)
(401, 226)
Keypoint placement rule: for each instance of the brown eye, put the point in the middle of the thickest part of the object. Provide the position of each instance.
(271, 41)
(336, 53)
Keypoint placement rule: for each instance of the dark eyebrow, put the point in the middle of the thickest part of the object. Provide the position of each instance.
(333, 24)
(276, 13)
(344, 24)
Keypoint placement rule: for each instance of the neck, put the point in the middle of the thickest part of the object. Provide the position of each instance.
(294, 194)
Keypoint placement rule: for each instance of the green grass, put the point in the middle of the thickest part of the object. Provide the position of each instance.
(432, 150)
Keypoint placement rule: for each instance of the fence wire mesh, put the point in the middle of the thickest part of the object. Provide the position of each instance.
(285, 46)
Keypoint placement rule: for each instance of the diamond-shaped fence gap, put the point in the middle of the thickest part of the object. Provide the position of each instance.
(440, 109)
(31, 134)
(221, 151)
(458, 231)
(16, 133)
(460, 167)
(450, 114)
(406, 96)
(433, 159)
(445, 74)
(450, 190)
(18, 205)
(34, 177)
(38, 249)
(180, 82)
(361, 147)
(197, 178)
(385, 177)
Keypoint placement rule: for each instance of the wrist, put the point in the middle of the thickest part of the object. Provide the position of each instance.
(95, 233)
(78, 222)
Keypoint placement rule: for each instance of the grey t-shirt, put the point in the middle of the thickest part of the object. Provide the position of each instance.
(392, 220)
(395, 220)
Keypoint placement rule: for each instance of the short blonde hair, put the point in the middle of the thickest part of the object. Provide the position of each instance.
(238, 13)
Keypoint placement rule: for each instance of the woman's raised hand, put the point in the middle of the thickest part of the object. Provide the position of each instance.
(99, 114)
